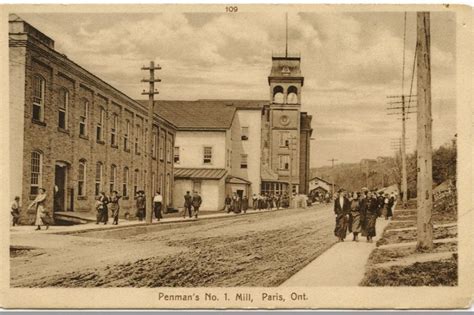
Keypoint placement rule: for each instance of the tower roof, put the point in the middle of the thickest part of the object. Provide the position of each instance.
(286, 67)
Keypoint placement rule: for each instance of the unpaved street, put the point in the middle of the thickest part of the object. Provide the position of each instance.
(248, 250)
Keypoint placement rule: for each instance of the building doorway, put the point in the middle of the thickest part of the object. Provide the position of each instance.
(60, 189)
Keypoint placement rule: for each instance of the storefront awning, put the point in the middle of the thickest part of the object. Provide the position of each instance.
(199, 173)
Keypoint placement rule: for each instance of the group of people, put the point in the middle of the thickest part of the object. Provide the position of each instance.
(192, 203)
(357, 212)
(42, 218)
(321, 197)
(236, 204)
(264, 201)
(104, 203)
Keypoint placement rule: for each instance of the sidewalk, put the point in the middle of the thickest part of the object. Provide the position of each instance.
(341, 265)
(81, 228)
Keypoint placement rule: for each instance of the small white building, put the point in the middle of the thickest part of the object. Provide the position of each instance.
(217, 149)
(320, 186)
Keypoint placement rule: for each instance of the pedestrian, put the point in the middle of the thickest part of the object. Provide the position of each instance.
(98, 209)
(157, 205)
(115, 206)
(245, 204)
(341, 209)
(227, 204)
(395, 202)
(197, 200)
(373, 212)
(234, 204)
(15, 211)
(269, 201)
(141, 205)
(278, 201)
(354, 221)
(105, 210)
(363, 205)
(188, 202)
(42, 214)
(255, 202)
(391, 203)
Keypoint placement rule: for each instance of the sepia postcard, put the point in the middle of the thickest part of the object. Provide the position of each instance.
(236, 156)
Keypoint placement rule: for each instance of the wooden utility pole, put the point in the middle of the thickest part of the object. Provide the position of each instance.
(332, 163)
(402, 108)
(151, 106)
(424, 137)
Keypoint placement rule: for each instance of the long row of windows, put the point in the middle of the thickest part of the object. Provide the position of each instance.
(37, 175)
(63, 106)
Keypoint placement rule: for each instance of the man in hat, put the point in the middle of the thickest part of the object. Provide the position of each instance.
(197, 200)
(342, 208)
(188, 202)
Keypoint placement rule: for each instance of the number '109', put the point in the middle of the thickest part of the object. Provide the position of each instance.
(231, 9)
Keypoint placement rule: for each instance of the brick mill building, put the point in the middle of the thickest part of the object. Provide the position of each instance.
(74, 134)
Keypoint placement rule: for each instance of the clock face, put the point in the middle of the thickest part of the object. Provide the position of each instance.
(284, 120)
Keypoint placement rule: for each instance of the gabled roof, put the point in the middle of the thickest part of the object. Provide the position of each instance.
(202, 114)
(320, 179)
(199, 173)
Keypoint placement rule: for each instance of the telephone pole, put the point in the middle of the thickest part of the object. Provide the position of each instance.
(332, 163)
(151, 110)
(402, 108)
(424, 136)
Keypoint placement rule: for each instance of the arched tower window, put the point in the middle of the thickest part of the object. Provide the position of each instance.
(278, 94)
(292, 95)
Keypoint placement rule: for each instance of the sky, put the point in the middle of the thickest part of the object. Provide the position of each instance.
(351, 62)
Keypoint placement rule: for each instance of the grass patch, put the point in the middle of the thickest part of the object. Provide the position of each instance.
(433, 273)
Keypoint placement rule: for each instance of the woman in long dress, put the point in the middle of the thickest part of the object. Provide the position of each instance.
(372, 214)
(114, 206)
(355, 226)
(42, 215)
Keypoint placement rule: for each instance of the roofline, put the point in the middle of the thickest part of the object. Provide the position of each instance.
(208, 129)
(323, 180)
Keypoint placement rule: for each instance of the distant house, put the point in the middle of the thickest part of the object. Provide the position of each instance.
(321, 186)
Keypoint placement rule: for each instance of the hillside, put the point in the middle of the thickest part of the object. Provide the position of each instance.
(385, 171)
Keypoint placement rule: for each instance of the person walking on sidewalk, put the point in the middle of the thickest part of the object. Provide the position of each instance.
(114, 206)
(188, 203)
(227, 203)
(157, 205)
(245, 204)
(15, 211)
(42, 215)
(373, 212)
(354, 220)
(341, 209)
(141, 205)
(197, 200)
(104, 213)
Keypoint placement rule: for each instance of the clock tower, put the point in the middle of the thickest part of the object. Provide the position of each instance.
(285, 83)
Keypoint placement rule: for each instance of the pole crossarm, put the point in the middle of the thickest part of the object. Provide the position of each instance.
(149, 80)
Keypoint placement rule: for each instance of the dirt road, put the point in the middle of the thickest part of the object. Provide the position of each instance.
(249, 250)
